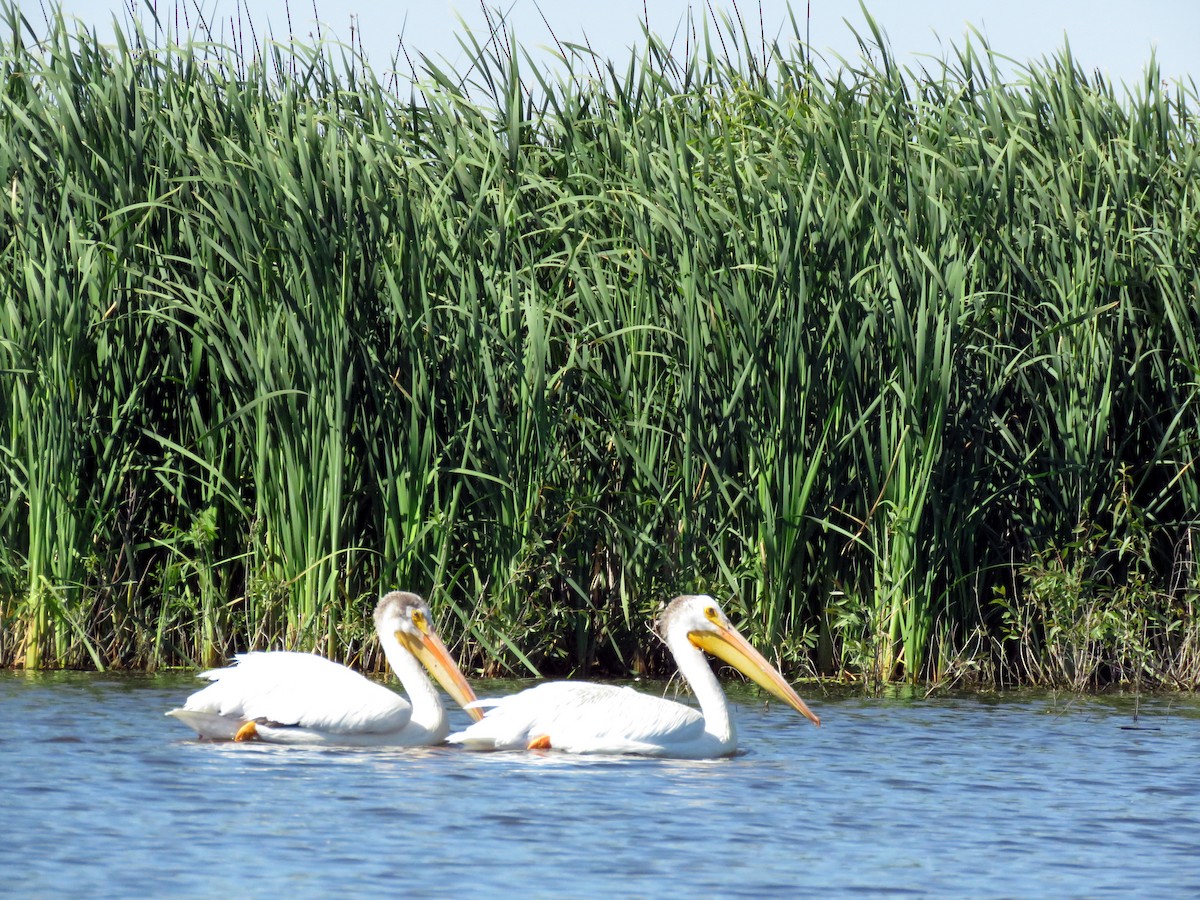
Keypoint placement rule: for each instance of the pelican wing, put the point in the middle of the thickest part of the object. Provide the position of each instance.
(299, 689)
(580, 717)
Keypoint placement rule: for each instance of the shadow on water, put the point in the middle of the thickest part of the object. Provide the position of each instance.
(1018, 793)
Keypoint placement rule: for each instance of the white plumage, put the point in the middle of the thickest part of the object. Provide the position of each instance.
(581, 717)
(301, 698)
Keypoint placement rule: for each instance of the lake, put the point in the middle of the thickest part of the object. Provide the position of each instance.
(985, 795)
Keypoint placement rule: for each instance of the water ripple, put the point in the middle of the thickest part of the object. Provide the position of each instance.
(984, 796)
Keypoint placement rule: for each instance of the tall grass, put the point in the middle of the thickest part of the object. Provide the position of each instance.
(887, 357)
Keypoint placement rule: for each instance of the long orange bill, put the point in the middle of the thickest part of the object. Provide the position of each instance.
(441, 665)
(734, 649)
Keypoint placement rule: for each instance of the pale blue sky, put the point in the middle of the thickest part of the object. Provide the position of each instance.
(1115, 38)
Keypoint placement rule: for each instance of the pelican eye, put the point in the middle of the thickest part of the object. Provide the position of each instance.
(418, 618)
(711, 613)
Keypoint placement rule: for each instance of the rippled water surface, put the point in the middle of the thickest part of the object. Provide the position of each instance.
(1018, 795)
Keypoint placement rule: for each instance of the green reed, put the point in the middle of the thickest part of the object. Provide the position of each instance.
(905, 364)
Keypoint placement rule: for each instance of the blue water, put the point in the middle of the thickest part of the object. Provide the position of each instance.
(1011, 795)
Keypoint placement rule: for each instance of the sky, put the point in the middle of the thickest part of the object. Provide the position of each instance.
(1114, 38)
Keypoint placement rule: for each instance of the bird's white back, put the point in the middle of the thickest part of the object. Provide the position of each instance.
(300, 689)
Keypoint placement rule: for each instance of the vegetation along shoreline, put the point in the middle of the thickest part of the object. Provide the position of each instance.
(902, 367)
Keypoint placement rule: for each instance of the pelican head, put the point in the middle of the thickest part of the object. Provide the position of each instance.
(406, 615)
(700, 621)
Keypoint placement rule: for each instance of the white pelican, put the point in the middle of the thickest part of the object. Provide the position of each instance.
(579, 717)
(300, 698)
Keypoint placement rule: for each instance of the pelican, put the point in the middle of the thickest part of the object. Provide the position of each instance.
(580, 717)
(300, 698)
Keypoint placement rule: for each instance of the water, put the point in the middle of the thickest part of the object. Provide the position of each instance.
(1022, 795)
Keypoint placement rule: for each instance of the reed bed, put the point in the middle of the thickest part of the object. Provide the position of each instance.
(904, 363)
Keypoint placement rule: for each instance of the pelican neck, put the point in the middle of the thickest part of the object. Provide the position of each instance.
(695, 669)
(427, 710)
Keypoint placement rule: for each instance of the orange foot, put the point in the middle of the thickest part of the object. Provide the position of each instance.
(540, 743)
(247, 732)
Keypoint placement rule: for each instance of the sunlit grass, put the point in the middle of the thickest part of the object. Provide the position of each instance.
(862, 353)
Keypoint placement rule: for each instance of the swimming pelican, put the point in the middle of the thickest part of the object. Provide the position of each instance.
(300, 698)
(579, 717)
